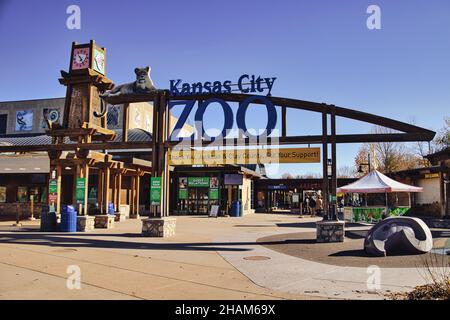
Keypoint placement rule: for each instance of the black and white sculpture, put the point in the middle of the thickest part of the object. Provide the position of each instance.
(398, 236)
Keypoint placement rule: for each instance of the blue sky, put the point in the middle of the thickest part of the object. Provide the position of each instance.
(319, 51)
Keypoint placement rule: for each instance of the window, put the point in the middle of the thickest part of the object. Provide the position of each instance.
(3, 122)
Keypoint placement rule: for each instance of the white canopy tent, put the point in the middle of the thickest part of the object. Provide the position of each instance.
(376, 182)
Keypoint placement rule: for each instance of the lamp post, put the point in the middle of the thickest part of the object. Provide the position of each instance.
(331, 205)
(360, 170)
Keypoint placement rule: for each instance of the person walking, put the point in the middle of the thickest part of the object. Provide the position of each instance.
(319, 205)
(312, 206)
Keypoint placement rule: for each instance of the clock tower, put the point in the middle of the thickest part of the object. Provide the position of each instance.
(85, 81)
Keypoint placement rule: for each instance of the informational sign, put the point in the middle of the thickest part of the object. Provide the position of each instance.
(233, 179)
(213, 194)
(277, 187)
(241, 156)
(53, 186)
(214, 211)
(182, 194)
(198, 182)
(155, 191)
(431, 175)
(80, 190)
(296, 198)
(92, 196)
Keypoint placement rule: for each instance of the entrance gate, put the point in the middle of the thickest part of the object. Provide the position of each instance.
(163, 140)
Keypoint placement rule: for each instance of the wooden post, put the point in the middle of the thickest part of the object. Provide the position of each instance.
(132, 192)
(283, 122)
(58, 178)
(155, 210)
(138, 184)
(125, 121)
(119, 190)
(100, 190)
(106, 175)
(114, 189)
(85, 174)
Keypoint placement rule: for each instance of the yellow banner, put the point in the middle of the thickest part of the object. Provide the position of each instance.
(244, 156)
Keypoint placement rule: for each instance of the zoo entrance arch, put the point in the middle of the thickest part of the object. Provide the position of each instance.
(163, 140)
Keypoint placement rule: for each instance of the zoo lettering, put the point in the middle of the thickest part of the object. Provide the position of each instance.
(228, 117)
(245, 84)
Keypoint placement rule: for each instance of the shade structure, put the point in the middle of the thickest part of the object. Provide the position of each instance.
(376, 182)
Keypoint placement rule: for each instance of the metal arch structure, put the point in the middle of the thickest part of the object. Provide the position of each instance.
(161, 142)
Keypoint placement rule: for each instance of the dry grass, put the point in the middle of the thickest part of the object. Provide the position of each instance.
(436, 274)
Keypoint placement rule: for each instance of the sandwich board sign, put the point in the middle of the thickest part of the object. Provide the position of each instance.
(214, 211)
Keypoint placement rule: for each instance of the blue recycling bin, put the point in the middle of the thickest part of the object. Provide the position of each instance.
(111, 208)
(235, 209)
(68, 219)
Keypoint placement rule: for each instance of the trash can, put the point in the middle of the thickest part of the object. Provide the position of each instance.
(48, 220)
(111, 208)
(235, 209)
(68, 219)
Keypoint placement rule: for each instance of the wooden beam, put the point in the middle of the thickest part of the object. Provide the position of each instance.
(125, 121)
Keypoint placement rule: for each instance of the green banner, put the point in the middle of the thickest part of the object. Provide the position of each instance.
(155, 191)
(53, 186)
(183, 194)
(213, 194)
(198, 182)
(80, 190)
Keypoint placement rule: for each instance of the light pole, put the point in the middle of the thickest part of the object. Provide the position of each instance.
(360, 170)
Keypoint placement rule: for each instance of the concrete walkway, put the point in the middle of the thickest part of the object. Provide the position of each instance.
(208, 258)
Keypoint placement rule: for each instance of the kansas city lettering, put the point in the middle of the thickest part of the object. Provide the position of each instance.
(245, 84)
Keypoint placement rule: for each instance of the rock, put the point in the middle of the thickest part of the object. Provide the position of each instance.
(398, 236)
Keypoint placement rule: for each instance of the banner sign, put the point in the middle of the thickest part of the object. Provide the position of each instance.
(253, 156)
(53, 186)
(182, 194)
(198, 182)
(213, 194)
(233, 179)
(53, 191)
(80, 190)
(155, 191)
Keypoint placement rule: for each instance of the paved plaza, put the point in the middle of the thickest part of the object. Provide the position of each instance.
(259, 256)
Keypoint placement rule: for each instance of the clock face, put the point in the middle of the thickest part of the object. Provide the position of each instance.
(99, 61)
(80, 58)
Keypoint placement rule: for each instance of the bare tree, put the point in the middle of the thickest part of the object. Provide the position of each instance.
(346, 172)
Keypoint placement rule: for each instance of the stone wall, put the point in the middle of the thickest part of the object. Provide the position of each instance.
(330, 231)
(159, 227)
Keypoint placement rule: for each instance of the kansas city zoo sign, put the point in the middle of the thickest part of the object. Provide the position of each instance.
(245, 84)
(185, 155)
